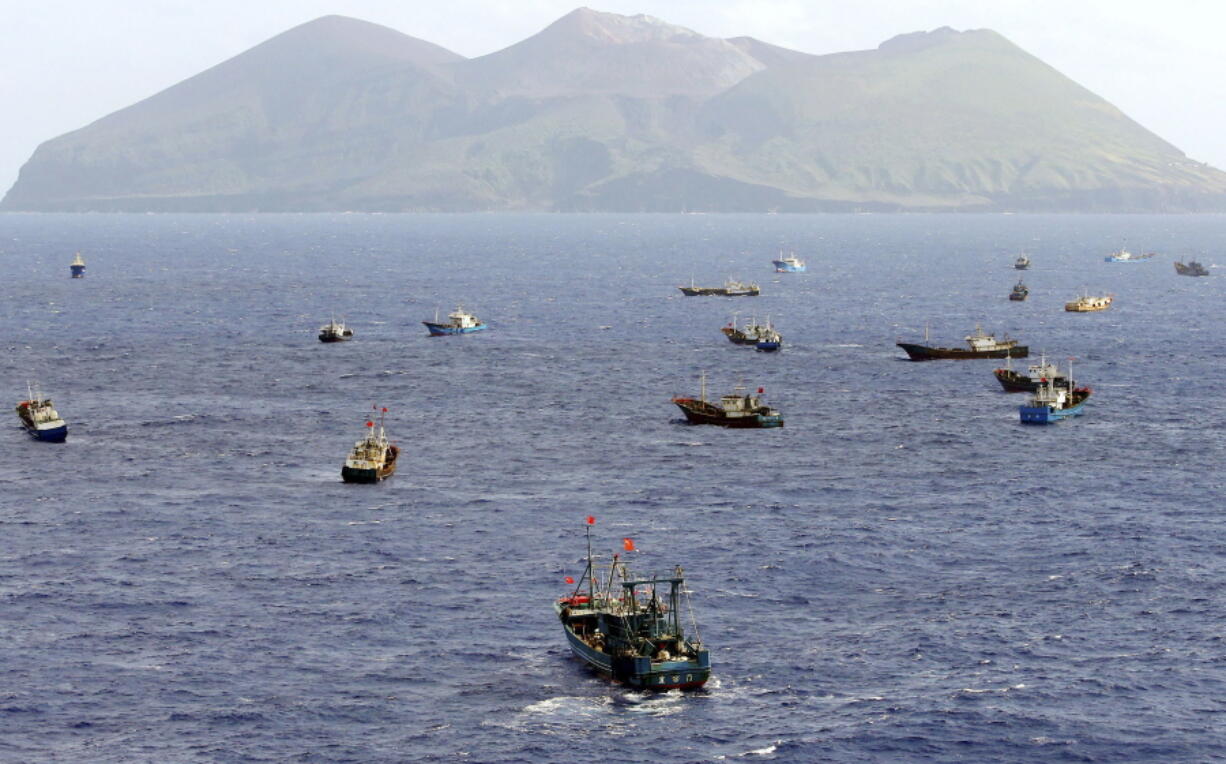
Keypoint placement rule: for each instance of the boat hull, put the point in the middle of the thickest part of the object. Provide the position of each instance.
(926, 353)
(77, 271)
(1050, 414)
(719, 292)
(440, 330)
(784, 267)
(47, 434)
(1047, 414)
(640, 672)
(336, 337)
(767, 347)
(698, 413)
(736, 336)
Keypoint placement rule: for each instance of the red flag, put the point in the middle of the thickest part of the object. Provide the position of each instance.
(570, 580)
(385, 409)
(628, 545)
(761, 390)
(591, 520)
(370, 424)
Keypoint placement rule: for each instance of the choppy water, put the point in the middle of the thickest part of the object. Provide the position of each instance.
(902, 573)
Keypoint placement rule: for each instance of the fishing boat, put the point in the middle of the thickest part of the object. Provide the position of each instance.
(77, 267)
(458, 322)
(1040, 373)
(629, 628)
(1021, 263)
(334, 331)
(1124, 256)
(1088, 303)
(1020, 292)
(1192, 268)
(372, 458)
(731, 288)
(1051, 403)
(39, 417)
(737, 409)
(761, 336)
(979, 345)
(789, 264)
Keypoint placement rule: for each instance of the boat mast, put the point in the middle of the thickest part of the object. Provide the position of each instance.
(702, 395)
(591, 586)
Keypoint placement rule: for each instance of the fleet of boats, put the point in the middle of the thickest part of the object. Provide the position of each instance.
(629, 628)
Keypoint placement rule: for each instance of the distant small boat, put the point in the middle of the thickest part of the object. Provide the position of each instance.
(1020, 292)
(372, 458)
(1192, 268)
(39, 417)
(1021, 263)
(1088, 303)
(731, 288)
(77, 267)
(789, 264)
(980, 345)
(1124, 256)
(737, 409)
(458, 322)
(630, 628)
(334, 331)
(1051, 402)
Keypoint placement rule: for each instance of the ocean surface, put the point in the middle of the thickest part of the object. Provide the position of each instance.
(902, 573)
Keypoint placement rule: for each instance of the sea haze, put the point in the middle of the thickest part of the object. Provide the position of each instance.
(903, 572)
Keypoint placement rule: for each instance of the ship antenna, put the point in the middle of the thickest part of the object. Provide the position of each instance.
(703, 388)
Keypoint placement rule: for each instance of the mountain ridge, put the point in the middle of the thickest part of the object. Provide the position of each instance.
(600, 111)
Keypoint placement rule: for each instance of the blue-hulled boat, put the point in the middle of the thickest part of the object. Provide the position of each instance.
(77, 267)
(1052, 402)
(769, 339)
(40, 419)
(789, 264)
(458, 322)
(1124, 256)
(629, 629)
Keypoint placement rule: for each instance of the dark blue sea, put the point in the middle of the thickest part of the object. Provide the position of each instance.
(902, 573)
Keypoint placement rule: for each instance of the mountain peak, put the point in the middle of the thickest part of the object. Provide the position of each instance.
(614, 29)
(915, 41)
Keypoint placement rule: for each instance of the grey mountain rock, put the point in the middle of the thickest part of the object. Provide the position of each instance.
(606, 112)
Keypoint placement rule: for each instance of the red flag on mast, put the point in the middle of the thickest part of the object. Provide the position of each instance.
(628, 545)
(570, 580)
(591, 520)
(370, 424)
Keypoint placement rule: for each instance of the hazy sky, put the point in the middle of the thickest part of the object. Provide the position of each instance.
(65, 63)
